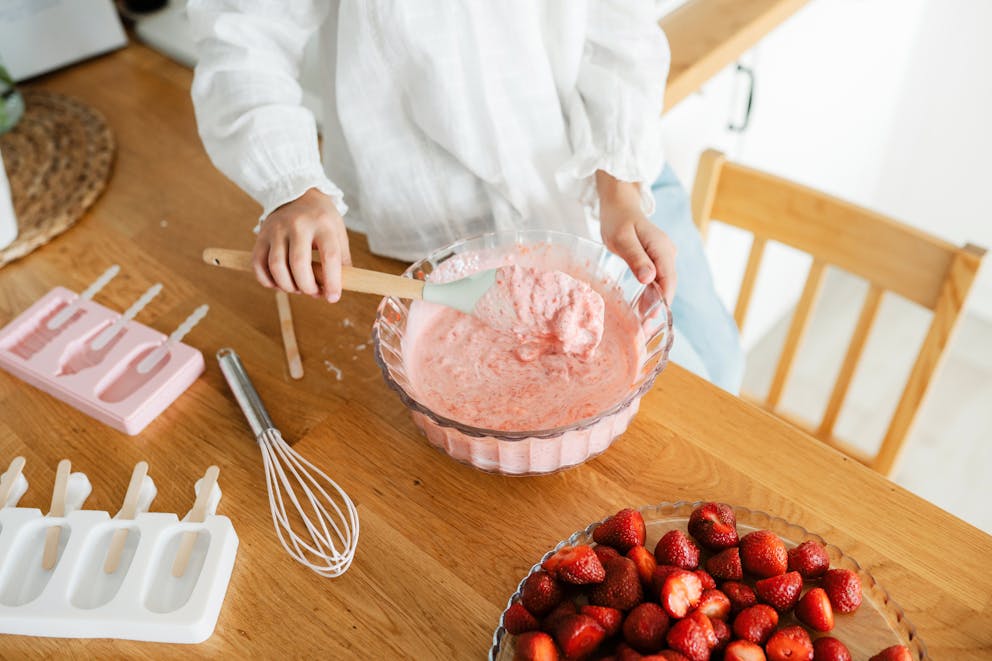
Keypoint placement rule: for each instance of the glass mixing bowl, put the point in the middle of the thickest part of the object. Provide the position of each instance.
(531, 451)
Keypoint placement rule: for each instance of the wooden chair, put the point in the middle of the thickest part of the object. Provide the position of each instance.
(890, 256)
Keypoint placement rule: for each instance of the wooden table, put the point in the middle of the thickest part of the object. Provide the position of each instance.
(442, 545)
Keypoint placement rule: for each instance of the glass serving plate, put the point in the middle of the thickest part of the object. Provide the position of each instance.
(539, 451)
(877, 624)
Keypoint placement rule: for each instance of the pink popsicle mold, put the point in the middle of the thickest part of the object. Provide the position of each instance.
(103, 384)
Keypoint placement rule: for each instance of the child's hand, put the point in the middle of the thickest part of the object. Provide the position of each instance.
(282, 255)
(630, 234)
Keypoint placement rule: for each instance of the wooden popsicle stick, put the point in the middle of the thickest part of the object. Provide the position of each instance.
(196, 515)
(289, 335)
(53, 533)
(9, 479)
(352, 279)
(128, 511)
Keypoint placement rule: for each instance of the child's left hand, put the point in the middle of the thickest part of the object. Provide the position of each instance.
(630, 234)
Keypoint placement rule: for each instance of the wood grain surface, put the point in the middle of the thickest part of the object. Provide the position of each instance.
(442, 545)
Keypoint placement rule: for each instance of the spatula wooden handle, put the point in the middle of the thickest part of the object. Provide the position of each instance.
(352, 279)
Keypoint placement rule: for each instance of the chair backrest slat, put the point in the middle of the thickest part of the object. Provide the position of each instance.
(750, 278)
(797, 329)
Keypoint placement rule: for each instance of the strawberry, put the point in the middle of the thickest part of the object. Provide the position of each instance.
(518, 620)
(609, 618)
(714, 605)
(789, 644)
(680, 592)
(780, 592)
(705, 579)
(605, 553)
(621, 588)
(557, 614)
(666, 655)
(714, 526)
(535, 646)
(706, 625)
(625, 652)
(577, 565)
(675, 548)
(688, 638)
(741, 596)
(830, 649)
(756, 623)
(578, 635)
(894, 653)
(844, 589)
(621, 531)
(722, 633)
(743, 650)
(763, 554)
(726, 565)
(645, 563)
(661, 572)
(645, 628)
(540, 593)
(814, 610)
(810, 559)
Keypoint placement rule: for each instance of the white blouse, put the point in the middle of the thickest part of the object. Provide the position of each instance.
(443, 118)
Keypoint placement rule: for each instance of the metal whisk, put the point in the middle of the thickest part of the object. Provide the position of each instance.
(321, 507)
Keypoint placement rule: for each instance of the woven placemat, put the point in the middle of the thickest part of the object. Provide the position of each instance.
(58, 159)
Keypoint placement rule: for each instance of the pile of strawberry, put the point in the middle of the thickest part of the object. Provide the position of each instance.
(618, 600)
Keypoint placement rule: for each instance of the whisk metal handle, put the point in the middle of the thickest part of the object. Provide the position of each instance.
(244, 391)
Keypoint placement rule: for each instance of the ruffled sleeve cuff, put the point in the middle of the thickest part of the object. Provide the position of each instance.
(292, 186)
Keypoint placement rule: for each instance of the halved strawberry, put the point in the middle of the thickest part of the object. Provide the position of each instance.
(535, 646)
(609, 618)
(661, 572)
(894, 653)
(688, 638)
(706, 579)
(550, 622)
(621, 588)
(780, 592)
(645, 628)
(814, 610)
(675, 548)
(763, 554)
(621, 531)
(741, 596)
(714, 526)
(714, 604)
(789, 644)
(680, 592)
(645, 563)
(577, 565)
(726, 565)
(578, 636)
(540, 593)
(722, 632)
(830, 649)
(810, 559)
(518, 620)
(756, 623)
(843, 586)
(743, 650)
(605, 553)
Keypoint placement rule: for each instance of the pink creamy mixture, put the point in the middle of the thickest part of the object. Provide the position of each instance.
(465, 370)
(547, 311)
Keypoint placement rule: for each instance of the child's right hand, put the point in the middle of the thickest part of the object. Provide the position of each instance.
(282, 256)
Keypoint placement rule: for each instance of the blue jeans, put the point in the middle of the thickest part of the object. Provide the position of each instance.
(706, 338)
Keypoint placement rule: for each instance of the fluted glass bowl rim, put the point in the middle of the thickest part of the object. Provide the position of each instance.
(503, 435)
(746, 516)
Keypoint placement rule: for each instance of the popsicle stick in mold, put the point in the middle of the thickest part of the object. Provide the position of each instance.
(109, 332)
(289, 335)
(196, 515)
(65, 313)
(140, 492)
(9, 495)
(152, 359)
(52, 535)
